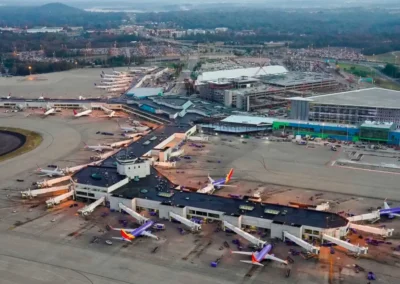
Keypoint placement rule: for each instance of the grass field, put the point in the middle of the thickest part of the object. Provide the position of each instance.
(357, 70)
(367, 72)
(389, 57)
(33, 140)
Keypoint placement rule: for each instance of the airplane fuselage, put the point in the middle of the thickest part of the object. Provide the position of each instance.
(259, 256)
(129, 235)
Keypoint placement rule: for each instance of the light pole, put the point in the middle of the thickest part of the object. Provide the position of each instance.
(323, 124)
(30, 70)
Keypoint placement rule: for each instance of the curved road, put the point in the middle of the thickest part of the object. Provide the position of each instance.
(59, 140)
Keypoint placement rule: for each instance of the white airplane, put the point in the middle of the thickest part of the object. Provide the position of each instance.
(49, 111)
(8, 97)
(99, 148)
(50, 173)
(81, 98)
(112, 114)
(83, 113)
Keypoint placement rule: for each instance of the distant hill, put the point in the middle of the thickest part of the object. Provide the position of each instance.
(58, 7)
(56, 14)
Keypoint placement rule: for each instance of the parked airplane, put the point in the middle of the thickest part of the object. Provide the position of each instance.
(8, 97)
(258, 257)
(127, 128)
(83, 113)
(99, 148)
(133, 135)
(50, 173)
(49, 111)
(216, 184)
(111, 115)
(128, 235)
(390, 212)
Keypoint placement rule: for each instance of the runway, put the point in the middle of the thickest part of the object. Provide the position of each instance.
(59, 139)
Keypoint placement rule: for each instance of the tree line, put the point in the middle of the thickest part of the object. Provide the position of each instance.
(374, 31)
(18, 67)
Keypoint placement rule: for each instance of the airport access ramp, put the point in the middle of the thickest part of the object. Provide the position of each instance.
(353, 248)
(373, 216)
(57, 200)
(301, 243)
(36, 192)
(88, 209)
(252, 239)
(373, 230)
(192, 225)
(51, 182)
(141, 219)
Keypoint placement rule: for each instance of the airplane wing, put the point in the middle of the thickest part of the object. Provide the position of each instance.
(271, 257)
(121, 239)
(227, 185)
(242, 252)
(210, 179)
(150, 235)
(396, 215)
(252, 262)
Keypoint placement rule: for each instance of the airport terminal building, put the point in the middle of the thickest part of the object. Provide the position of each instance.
(352, 107)
(129, 178)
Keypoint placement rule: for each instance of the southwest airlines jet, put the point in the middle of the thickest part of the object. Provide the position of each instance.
(128, 235)
(258, 257)
(216, 184)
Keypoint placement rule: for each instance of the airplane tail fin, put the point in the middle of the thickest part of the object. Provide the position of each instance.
(75, 113)
(229, 176)
(385, 204)
(210, 179)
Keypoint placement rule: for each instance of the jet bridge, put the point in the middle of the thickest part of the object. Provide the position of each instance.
(192, 225)
(353, 248)
(90, 208)
(33, 193)
(57, 200)
(377, 231)
(53, 181)
(141, 219)
(373, 216)
(302, 243)
(252, 239)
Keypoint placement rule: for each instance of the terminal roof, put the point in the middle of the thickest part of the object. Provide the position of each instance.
(154, 184)
(372, 97)
(98, 176)
(138, 149)
(250, 120)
